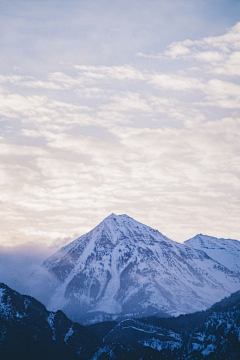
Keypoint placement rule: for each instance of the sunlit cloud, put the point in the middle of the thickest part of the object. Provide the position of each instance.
(221, 53)
(222, 94)
(176, 82)
(158, 142)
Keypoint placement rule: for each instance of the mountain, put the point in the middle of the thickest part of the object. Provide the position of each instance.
(28, 331)
(224, 251)
(124, 269)
(208, 335)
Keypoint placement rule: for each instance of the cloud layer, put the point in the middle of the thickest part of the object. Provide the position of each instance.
(159, 143)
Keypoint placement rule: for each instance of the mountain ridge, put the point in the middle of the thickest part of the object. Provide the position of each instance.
(28, 331)
(123, 265)
(225, 251)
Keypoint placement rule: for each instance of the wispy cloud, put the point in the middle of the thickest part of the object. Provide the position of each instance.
(155, 137)
(221, 53)
(176, 82)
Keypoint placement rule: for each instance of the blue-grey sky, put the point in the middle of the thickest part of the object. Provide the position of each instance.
(119, 106)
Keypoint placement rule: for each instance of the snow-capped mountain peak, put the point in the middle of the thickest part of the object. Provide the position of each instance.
(125, 268)
(118, 227)
(225, 251)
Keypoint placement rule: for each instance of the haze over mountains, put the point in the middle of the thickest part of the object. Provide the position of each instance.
(123, 269)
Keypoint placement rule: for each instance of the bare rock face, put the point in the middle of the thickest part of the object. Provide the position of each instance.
(123, 268)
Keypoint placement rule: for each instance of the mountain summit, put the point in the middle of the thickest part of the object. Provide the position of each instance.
(225, 251)
(123, 268)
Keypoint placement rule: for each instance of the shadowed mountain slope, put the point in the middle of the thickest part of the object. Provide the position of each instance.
(28, 331)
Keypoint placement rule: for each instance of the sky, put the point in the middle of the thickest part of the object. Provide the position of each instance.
(126, 107)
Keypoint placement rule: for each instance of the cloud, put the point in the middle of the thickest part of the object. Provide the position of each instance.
(20, 269)
(209, 56)
(112, 72)
(221, 53)
(21, 150)
(230, 67)
(88, 74)
(41, 109)
(224, 43)
(153, 138)
(222, 94)
(126, 102)
(41, 84)
(175, 82)
(176, 49)
(91, 92)
(28, 81)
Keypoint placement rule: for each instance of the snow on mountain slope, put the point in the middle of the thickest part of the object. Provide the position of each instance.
(208, 335)
(28, 331)
(123, 268)
(224, 251)
(148, 335)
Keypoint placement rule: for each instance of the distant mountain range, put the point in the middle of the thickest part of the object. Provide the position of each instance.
(28, 331)
(124, 269)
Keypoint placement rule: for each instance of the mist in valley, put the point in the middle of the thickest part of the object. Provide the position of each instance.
(21, 269)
